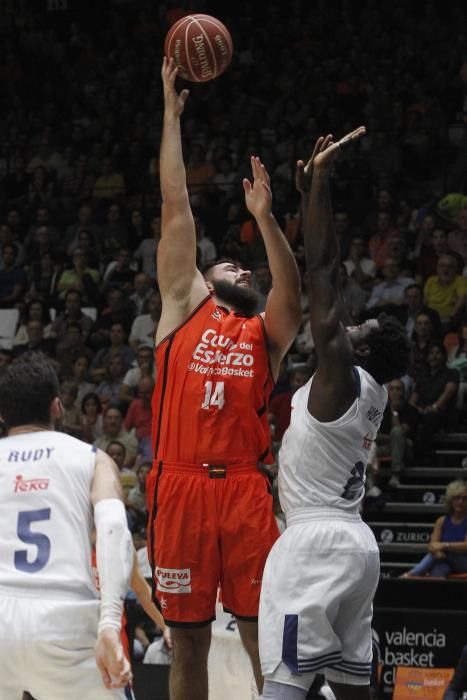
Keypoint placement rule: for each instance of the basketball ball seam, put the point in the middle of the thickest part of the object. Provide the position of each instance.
(207, 40)
(222, 29)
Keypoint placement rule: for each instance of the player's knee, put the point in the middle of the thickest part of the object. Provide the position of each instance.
(251, 646)
(191, 645)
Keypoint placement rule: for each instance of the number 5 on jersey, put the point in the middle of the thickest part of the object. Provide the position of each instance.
(213, 395)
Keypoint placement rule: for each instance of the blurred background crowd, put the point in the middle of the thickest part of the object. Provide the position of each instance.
(80, 128)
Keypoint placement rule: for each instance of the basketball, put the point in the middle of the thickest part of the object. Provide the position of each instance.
(201, 47)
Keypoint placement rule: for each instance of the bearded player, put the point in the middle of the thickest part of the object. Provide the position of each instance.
(211, 519)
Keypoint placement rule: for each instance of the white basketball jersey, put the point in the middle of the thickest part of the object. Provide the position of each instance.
(46, 515)
(323, 464)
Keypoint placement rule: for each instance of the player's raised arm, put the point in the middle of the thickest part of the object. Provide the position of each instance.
(334, 388)
(181, 284)
(114, 553)
(282, 315)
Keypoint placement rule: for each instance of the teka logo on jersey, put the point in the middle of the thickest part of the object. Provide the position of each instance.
(26, 485)
(173, 580)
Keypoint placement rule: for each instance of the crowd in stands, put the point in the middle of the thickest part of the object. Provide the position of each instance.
(80, 204)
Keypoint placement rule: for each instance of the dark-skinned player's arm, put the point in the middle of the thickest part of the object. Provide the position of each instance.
(334, 387)
(282, 315)
(181, 284)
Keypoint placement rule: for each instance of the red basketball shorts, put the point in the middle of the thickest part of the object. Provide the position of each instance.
(207, 529)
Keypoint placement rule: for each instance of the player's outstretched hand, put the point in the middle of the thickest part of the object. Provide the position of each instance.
(173, 101)
(258, 196)
(111, 661)
(330, 149)
(304, 171)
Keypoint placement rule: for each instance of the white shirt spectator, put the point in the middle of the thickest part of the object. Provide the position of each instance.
(142, 329)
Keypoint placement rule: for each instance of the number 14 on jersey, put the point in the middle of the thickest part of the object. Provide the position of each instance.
(213, 395)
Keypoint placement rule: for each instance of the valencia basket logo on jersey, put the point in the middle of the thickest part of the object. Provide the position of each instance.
(220, 355)
(173, 580)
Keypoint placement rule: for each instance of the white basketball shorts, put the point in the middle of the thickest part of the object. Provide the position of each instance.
(316, 600)
(47, 648)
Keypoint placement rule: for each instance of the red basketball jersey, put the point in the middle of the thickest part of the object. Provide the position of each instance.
(213, 385)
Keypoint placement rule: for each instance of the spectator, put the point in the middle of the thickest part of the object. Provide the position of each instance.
(113, 430)
(70, 419)
(80, 277)
(427, 262)
(360, 267)
(7, 235)
(35, 310)
(434, 399)
(110, 184)
(353, 296)
(35, 341)
(142, 293)
(397, 432)
(72, 313)
(118, 347)
(84, 222)
(12, 277)
(70, 347)
(110, 387)
(206, 248)
(40, 188)
(280, 405)
(139, 415)
(146, 252)
(447, 551)
(91, 417)
(86, 242)
(117, 310)
(414, 300)
(446, 292)
(457, 239)
(79, 375)
(144, 327)
(422, 339)
(390, 292)
(380, 243)
(117, 451)
(45, 276)
(136, 499)
(114, 233)
(262, 281)
(119, 272)
(144, 368)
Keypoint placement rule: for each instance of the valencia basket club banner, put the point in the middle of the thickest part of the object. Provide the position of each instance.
(420, 646)
(421, 683)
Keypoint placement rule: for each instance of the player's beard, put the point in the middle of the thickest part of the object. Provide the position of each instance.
(242, 299)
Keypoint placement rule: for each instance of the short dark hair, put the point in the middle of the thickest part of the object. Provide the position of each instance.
(27, 388)
(120, 444)
(91, 395)
(213, 263)
(390, 350)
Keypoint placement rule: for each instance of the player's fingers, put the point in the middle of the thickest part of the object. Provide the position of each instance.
(246, 185)
(265, 174)
(326, 142)
(267, 188)
(254, 167)
(316, 148)
(106, 679)
(183, 95)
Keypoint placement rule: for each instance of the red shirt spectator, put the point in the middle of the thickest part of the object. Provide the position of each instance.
(139, 415)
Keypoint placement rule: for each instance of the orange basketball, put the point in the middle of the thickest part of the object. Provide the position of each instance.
(201, 47)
